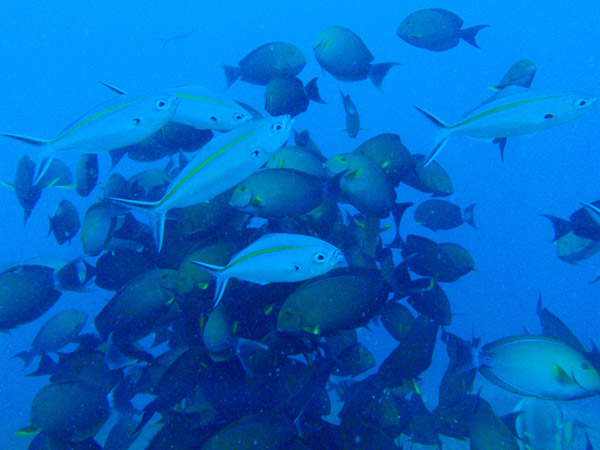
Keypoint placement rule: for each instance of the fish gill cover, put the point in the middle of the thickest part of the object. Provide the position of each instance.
(109, 101)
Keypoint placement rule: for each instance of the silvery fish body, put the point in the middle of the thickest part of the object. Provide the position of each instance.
(540, 424)
(515, 111)
(122, 121)
(277, 257)
(538, 366)
(204, 109)
(221, 164)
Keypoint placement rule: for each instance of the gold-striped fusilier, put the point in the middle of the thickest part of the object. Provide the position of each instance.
(515, 111)
(221, 164)
(122, 121)
(277, 257)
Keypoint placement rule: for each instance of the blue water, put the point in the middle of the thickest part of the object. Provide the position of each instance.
(54, 53)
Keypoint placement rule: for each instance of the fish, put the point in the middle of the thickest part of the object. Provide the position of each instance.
(177, 36)
(218, 166)
(388, 151)
(276, 257)
(432, 179)
(516, 111)
(520, 73)
(537, 366)
(287, 95)
(540, 424)
(342, 53)
(54, 334)
(86, 174)
(116, 123)
(436, 29)
(352, 118)
(65, 222)
(438, 214)
(270, 60)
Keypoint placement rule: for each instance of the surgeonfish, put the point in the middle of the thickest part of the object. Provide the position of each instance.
(221, 164)
(270, 60)
(117, 123)
(276, 257)
(515, 111)
(520, 73)
(540, 425)
(342, 53)
(436, 29)
(538, 366)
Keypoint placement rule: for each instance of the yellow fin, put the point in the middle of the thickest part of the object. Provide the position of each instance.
(269, 309)
(561, 376)
(8, 185)
(385, 164)
(27, 431)
(416, 387)
(256, 201)
(235, 327)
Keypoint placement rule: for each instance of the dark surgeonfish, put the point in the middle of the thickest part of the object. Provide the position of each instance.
(287, 95)
(388, 151)
(352, 118)
(271, 60)
(343, 54)
(436, 29)
(520, 73)
(65, 222)
(431, 178)
(442, 215)
(58, 331)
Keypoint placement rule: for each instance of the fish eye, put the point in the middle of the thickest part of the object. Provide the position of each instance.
(136, 121)
(255, 154)
(276, 127)
(582, 102)
(319, 257)
(212, 118)
(239, 116)
(160, 104)
(548, 116)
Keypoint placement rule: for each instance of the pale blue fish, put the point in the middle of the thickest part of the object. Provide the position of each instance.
(538, 366)
(117, 123)
(203, 108)
(541, 425)
(277, 257)
(514, 111)
(221, 164)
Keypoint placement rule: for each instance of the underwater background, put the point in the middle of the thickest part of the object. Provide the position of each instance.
(55, 54)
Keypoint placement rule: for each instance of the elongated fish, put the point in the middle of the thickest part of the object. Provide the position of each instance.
(221, 164)
(277, 257)
(515, 111)
(117, 123)
(203, 108)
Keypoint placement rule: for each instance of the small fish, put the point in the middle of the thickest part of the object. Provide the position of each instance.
(276, 257)
(65, 222)
(436, 29)
(442, 215)
(520, 73)
(516, 111)
(352, 119)
(287, 95)
(221, 164)
(119, 122)
(177, 37)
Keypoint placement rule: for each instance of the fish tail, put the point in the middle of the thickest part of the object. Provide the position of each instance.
(27, 357)
(45, 367)
(468, 215)
(377, 72)
(231, 74)
(157, 218)
(561, 226)
(221, 281)
(442, 137)
(27, 139)
(312, 91)
(469, 34)
(245, 349)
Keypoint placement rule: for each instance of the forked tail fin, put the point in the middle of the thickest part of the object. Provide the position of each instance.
(156, 218)
(444, 134)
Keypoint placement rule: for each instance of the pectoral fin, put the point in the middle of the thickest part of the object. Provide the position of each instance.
(561, 375)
